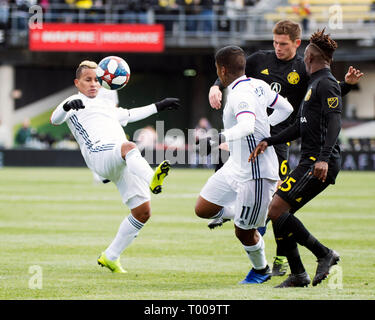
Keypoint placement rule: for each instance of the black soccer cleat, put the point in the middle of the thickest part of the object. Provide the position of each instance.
(324, 264)
(218, 222)
(295, 280)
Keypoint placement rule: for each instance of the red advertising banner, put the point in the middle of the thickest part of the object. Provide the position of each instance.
(97, 37)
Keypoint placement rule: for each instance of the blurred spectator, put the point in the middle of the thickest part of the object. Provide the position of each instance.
(68, 142)
(24, 134)
(44, 4)
(205, 23)
(233, 8)
(166, 8)
(191, 9)
(4, 13)
(146, 138)
(80, 4)
(303, 10)
(201, 131)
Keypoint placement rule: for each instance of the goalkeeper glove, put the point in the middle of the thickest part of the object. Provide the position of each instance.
(168, 104)
(75, 104)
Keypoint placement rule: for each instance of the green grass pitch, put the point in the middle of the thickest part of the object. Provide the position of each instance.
(55, 222)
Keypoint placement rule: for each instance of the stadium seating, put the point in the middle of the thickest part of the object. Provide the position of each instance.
(320, 11)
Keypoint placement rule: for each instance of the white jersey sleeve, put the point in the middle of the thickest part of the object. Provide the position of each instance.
(123, 116)
(243, 104)
(244, 112)
(59, 115)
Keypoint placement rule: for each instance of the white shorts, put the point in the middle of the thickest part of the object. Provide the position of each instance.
(250, 198)
(110, 165)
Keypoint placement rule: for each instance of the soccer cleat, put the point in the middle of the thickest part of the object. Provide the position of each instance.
(324, 264)
(262, 230)
(160, 173)
(280, 266)
(257, 276)
(295, 280)
(114, 266)
(218, 222)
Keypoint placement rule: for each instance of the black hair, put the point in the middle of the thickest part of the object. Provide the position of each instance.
(232, 58)
(324, 43)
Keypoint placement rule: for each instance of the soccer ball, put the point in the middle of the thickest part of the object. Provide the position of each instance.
(113, 73)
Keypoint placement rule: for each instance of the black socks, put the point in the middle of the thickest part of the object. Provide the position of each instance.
(288, 232)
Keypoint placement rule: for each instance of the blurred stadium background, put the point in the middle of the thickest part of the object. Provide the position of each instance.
(169, 45)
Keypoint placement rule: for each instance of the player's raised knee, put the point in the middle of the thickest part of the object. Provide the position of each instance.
(127, 147)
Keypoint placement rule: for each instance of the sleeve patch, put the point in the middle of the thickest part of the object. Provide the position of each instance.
(243, 105)
(333, 102)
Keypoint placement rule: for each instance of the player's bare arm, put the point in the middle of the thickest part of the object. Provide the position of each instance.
(214, 97)
(260, 148)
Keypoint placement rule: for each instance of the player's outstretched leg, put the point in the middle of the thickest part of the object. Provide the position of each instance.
(114, 266)
(295, 280)
(324, 265)
(160, 173)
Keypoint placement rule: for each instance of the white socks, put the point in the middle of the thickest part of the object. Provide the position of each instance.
(257, 254)
(128, 230)
(225, 213)
(138, 165)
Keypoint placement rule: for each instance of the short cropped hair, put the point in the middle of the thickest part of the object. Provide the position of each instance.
(232, 58)
(288, 27)
(86, 64)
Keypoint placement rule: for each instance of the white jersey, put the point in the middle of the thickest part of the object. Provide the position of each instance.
(250, 95)
(97, 127)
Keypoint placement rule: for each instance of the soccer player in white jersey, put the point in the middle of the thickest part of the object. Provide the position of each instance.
(249, 187)
(97, 126)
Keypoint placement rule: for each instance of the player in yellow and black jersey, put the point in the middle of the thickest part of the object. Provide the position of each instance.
(318, 124)
(284, 70)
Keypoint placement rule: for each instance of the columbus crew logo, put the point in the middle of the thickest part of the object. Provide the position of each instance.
(293, 77)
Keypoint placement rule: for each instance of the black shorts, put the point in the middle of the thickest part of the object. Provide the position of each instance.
(282, 152)
(301, 185)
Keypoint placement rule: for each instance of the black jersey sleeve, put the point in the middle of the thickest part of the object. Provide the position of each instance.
(345, 88)
(288, 134)
(252, 62)
(330, 96)
(333, 129)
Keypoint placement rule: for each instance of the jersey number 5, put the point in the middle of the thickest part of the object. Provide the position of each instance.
(288, 182)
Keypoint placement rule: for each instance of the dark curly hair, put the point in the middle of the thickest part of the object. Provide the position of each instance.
(324, 42)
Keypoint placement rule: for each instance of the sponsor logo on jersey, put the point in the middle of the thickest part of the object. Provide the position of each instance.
(303, 120)
(333, 102)
(308, 95)
(275, 86)
(293, 77)
(265, 71)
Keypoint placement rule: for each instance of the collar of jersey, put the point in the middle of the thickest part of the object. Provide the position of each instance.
(239, 80)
